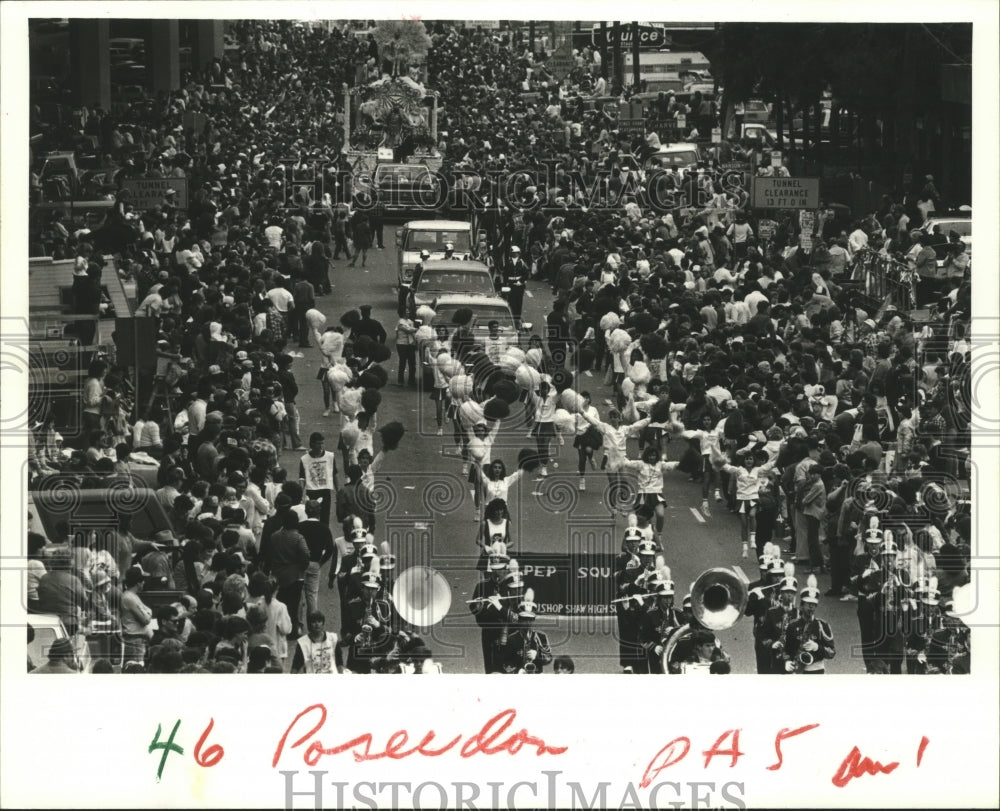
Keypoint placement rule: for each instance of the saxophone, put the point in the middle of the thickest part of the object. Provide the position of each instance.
(529, 667)
(806, 658)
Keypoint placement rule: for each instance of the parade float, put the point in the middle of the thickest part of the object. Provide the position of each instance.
(390, 116)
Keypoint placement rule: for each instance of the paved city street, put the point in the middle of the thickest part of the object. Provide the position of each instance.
(428, 509)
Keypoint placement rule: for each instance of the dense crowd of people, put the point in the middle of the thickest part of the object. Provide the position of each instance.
(803, 405)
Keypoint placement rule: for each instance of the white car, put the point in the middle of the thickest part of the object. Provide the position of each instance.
(945, 224)
(430, 236)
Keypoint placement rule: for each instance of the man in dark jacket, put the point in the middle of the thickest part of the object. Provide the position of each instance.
(369, 326)
(288, 558)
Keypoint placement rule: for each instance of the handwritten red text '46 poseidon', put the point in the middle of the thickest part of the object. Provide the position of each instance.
(492, 739)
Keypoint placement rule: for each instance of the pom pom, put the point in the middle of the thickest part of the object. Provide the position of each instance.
(315, 319)
(571, 401)
(471, 412)
(496, 409)
(338, 377)
(640, 374)
(461, 386)
(654, 346)
(511, 359)
(564, 421)
(350, 433)
(533, 357)
(424, 333)
(371, 399)
(527, 378)
(506, 390)
(610, 321)
(462, 317)
(332, 344)
(619, 340)
(374, 377)
(528, 460)
(643, 322)
(380, 353)
(350, 319)
(350, 402)
(391, 434)
(660, 412)
(627, 387)
(425, 314)
(562, 380)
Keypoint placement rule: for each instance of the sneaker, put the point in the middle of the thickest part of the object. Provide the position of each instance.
(440, 432)
(326, 413)
(849, 598)
(627, 669)
(583, 484)
(744, 553)
(718, 494)
(704, 508)
(543, 472)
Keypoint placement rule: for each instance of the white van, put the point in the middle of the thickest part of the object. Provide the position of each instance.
(431, 236)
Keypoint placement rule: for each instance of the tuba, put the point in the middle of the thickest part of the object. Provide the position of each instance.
(422, 596)
(718, 599)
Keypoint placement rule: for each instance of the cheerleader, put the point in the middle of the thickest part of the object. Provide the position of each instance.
(494, 527)
(748, 478)
(480, 448)
(496, 483)
(545, 401)
(709, 439)
(588, 438)
(650, 470)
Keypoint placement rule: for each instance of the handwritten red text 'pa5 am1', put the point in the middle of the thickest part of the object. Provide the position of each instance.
(492, 738)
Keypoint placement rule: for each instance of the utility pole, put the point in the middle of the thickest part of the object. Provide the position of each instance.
(604, 50)
(636, 72)
(616, 51)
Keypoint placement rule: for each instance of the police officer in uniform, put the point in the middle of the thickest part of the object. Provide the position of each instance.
(515, 277)
(808, 640)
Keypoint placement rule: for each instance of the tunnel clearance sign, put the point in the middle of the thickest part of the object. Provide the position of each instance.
(570, 584)
(148, 192)
(786, 192)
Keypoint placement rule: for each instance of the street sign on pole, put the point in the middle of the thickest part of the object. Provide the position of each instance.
(561, 63)
(776, 158)
(785, 192)
(650, 37)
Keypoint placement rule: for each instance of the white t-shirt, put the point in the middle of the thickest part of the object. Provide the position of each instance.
(282, 300)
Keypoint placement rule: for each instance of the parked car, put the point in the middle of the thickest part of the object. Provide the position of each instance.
(442, 276)
(430, 236)
(683, 156)
(756, 111)
(403, 188)
(484, 309)
(959, 223)
(48, 628)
